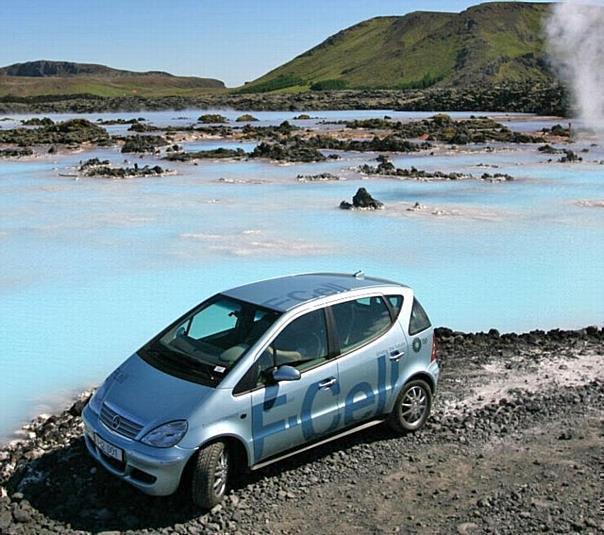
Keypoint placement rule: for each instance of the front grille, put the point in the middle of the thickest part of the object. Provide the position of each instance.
(119, 423)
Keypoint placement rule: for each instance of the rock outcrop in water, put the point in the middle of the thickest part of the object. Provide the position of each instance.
(362, 200)
(387, 168)
(442, 127)
(102, 168)
(72, 132)
(215, 154)
(143, 143)
(16, 153)
(246, 118)
(295, 150)
(210, 118)
(38, 121)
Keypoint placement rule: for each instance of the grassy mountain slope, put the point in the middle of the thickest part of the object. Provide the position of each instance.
(487, 43)
(65, 78)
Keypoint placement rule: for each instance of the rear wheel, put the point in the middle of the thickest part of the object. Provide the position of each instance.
(210, 475)
(412, 407)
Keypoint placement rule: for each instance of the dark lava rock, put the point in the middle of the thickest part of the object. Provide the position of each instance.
(143, 143)
(15, 153)
(363, 199)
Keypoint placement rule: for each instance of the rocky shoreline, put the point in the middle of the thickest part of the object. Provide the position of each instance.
(512, 446)
(541, 98)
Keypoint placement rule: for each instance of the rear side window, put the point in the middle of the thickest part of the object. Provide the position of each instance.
(419, 319)
(396, 303)
(360, 321)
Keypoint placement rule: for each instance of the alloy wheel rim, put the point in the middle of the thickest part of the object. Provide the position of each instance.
(414, 405)
(221, 474)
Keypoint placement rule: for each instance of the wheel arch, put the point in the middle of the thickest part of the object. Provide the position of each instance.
(234, 444)
(423, 376)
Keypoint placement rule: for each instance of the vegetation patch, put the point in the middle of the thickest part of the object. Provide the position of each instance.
(280, 82)
(329, 85)
(428, 80)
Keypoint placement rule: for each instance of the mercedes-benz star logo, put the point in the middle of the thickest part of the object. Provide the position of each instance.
(115, 422)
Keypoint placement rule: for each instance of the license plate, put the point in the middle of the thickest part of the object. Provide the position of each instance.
(109, 449)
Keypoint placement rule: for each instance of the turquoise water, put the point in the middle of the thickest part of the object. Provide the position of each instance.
(92, 268)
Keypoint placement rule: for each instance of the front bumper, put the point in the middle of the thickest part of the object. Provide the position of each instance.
(155, 471)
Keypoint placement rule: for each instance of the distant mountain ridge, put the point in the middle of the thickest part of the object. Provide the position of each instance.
(488, 43)
(46, 77)
(66, 68)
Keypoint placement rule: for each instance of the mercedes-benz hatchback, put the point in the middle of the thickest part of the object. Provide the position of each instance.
(260, 372)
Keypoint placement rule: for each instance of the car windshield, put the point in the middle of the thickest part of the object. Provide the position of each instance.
(204, 345)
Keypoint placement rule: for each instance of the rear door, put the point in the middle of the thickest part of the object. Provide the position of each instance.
(372, 345)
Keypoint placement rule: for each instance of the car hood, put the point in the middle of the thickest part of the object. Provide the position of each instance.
(151, 397)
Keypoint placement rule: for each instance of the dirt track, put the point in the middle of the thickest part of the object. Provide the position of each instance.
(514, 446)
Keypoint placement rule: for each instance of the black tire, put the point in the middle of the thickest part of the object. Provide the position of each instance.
(411, 408)
(210, 475)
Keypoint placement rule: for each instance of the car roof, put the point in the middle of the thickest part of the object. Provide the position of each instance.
(285, 293)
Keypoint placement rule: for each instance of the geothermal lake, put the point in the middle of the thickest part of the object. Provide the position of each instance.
(93, 268)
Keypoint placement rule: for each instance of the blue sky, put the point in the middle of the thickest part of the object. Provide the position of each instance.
(233, 40)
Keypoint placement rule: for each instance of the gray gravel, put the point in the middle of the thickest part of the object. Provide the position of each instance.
(373, 481)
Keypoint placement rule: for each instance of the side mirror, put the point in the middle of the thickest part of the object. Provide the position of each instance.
(286, 373)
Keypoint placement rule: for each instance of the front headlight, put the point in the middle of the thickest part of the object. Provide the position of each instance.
(166, 435)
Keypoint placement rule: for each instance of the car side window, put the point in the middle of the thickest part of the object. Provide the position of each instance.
(419, 319)
(302, 344)
(360, 321)
(396, 303)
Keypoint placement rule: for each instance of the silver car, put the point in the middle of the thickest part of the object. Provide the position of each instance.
(260, 372)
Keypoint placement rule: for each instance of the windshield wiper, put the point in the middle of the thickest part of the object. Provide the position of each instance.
(179, 358)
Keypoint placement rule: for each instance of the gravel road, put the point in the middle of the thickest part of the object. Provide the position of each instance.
(514, 446)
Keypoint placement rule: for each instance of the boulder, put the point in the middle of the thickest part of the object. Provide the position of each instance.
(363, 199)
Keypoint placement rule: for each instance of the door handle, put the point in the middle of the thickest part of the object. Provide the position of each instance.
(396, 355)
(326, 383)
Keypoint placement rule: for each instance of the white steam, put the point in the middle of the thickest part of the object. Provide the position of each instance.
(575, 34)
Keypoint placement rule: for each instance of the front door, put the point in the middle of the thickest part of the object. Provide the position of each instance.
(291, 413)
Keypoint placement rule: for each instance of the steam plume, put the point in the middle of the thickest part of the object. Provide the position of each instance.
(575, 34)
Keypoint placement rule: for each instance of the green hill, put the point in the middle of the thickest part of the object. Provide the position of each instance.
(487, 43)
(65, 78)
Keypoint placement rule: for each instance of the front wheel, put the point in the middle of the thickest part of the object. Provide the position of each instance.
(210, 475)
(411, 408)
